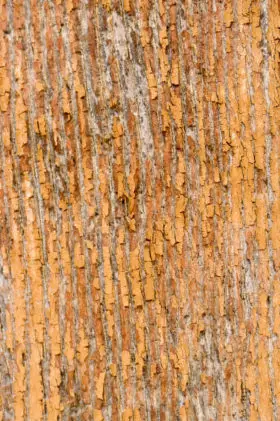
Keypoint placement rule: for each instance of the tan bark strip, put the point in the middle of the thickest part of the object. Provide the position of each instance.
(212, 211)
(206, 329)
(7, 281)
(186, 189)
(22, 379)
(242, 308)
(273, 11)
(190, 113)
(188, 80)
(221, 130)
(223, 160)
(174, 137)
(232, 238)
(70, 60)
(228, 113)
(66, 262)
(241, 155)
(250, 376)
(249, 186)
(166, 279)
(40, 211)
(58, 344)
(264, 408)
(175, 238)
(219, 221)
(156, 79)
(7, 305)
(69, 244)
(85, 65)
(128, 88)
(126, 142)
(113, 200)
(157, 194)
(141, 87)
(270, 195)
(197, 139)
(207, 212)
(119, 331)
(272, 36)
(144, 148)
(224, 114)
(186, 119)
(149, 17)
(42, 127)
(94, 157)
(159, 242)
(144, 140)
(175, 276)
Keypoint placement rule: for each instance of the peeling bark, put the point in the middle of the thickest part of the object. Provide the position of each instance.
(139, 212)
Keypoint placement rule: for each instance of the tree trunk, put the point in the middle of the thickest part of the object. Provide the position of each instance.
(139, 213)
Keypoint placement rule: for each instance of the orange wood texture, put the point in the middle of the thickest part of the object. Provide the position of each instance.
(140, 210)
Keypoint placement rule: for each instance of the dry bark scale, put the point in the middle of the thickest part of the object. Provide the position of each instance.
(140, 210)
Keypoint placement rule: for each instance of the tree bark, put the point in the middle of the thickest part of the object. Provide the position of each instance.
(139, 212)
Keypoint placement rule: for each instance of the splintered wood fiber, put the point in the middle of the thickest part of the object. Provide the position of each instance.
(139, 210)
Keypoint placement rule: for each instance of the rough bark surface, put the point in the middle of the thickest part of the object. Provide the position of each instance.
(140, 210)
